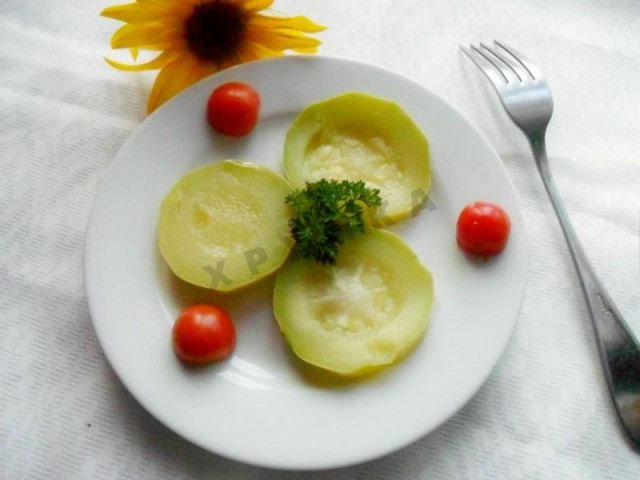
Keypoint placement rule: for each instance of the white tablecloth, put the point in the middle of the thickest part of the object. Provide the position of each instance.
(545, 411)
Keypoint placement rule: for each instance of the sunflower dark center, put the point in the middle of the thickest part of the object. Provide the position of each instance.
(215, 30)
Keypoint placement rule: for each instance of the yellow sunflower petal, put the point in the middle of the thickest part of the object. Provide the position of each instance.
(162, 46)
(176, 76)
(131, 13)
(255, 51)
(202, 70)
(174, 7)
(281, 39)
(159, 4)
(252, 6)
(300, 23)
(306, 51)
(158, 62)
(229, 63)
(129, 36)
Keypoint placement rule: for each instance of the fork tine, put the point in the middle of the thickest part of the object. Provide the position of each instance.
(527, 64)
(514, 67)
(490, 69)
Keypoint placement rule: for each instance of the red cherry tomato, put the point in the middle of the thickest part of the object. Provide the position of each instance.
(483, 229)
(203, 334)
(233, 108)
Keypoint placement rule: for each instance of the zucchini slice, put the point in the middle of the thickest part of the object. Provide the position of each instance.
(224, 226)
(366, 311)
(355, 136)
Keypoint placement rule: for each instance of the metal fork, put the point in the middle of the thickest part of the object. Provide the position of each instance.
(526, 97)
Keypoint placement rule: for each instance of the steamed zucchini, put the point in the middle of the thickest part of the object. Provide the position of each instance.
(224, 226)
(366, 311)
(355, 136)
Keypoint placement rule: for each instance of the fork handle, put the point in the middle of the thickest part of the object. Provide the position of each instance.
(619, 350)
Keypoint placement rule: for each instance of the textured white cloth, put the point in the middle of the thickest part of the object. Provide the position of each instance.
(545, 411)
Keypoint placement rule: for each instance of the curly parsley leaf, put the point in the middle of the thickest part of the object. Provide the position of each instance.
(327, 212)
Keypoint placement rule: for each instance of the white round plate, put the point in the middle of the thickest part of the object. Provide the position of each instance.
(263, 406)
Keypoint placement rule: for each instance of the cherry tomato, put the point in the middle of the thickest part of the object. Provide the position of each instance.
(233, 108)
(483, 229)
(203, 334)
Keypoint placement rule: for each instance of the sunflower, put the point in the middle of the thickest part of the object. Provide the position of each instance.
(199, 37)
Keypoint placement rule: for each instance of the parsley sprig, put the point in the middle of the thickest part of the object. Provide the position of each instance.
(327, 212)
